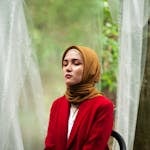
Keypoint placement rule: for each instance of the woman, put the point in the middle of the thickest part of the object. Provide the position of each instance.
(82, 119)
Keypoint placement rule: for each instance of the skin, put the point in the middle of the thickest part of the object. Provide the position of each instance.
(73, 67)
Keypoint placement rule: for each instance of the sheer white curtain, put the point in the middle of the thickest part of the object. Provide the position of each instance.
(134, 16)
(20, 82)
(22, 118)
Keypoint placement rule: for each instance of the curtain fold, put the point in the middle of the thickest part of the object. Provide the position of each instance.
(21, 107)
(132, 54)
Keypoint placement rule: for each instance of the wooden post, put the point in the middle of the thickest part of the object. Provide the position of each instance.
(142, 134)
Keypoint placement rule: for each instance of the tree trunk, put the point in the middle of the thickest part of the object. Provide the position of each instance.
(142, 135)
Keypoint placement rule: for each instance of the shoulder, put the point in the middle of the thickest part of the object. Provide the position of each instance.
(100, 102)
(59, 101)
(103, 105)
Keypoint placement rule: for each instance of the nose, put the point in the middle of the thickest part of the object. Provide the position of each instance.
(69, 67)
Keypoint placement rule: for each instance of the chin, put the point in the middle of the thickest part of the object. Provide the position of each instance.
(70, 83)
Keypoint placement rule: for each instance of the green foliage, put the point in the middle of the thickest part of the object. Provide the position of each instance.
(110, 52)
(57, 24)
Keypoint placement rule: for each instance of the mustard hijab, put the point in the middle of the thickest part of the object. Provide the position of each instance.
(91, 74)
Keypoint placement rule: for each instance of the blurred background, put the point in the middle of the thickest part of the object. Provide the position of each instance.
(33, 36)
(55, 25)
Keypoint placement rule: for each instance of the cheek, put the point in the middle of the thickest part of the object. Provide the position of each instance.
(63, 70)
(80, 73)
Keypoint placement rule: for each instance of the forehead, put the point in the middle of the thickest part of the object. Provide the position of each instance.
(73, 54)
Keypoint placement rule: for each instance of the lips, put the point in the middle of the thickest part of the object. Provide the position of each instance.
(68, 76)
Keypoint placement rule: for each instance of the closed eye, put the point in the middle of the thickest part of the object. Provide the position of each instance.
(76, 62)
(65, 63)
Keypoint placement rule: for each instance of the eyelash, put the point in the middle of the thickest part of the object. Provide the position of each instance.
(75, 63)
(64, 64)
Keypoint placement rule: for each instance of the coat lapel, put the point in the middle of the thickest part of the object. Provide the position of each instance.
(62, 127)
(77, 122)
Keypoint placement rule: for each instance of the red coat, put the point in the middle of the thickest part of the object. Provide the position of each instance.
(91, 129)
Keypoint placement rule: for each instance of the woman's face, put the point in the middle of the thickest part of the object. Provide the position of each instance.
(72, 67)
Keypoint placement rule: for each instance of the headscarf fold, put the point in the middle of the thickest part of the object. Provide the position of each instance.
(91, 74)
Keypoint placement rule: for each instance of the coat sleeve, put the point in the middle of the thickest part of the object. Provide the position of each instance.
(49, 143)
(101, 129)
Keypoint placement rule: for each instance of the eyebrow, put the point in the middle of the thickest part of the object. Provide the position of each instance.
(74, 59)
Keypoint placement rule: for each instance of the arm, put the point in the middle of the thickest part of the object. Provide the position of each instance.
(101, 129)
(49, 137)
